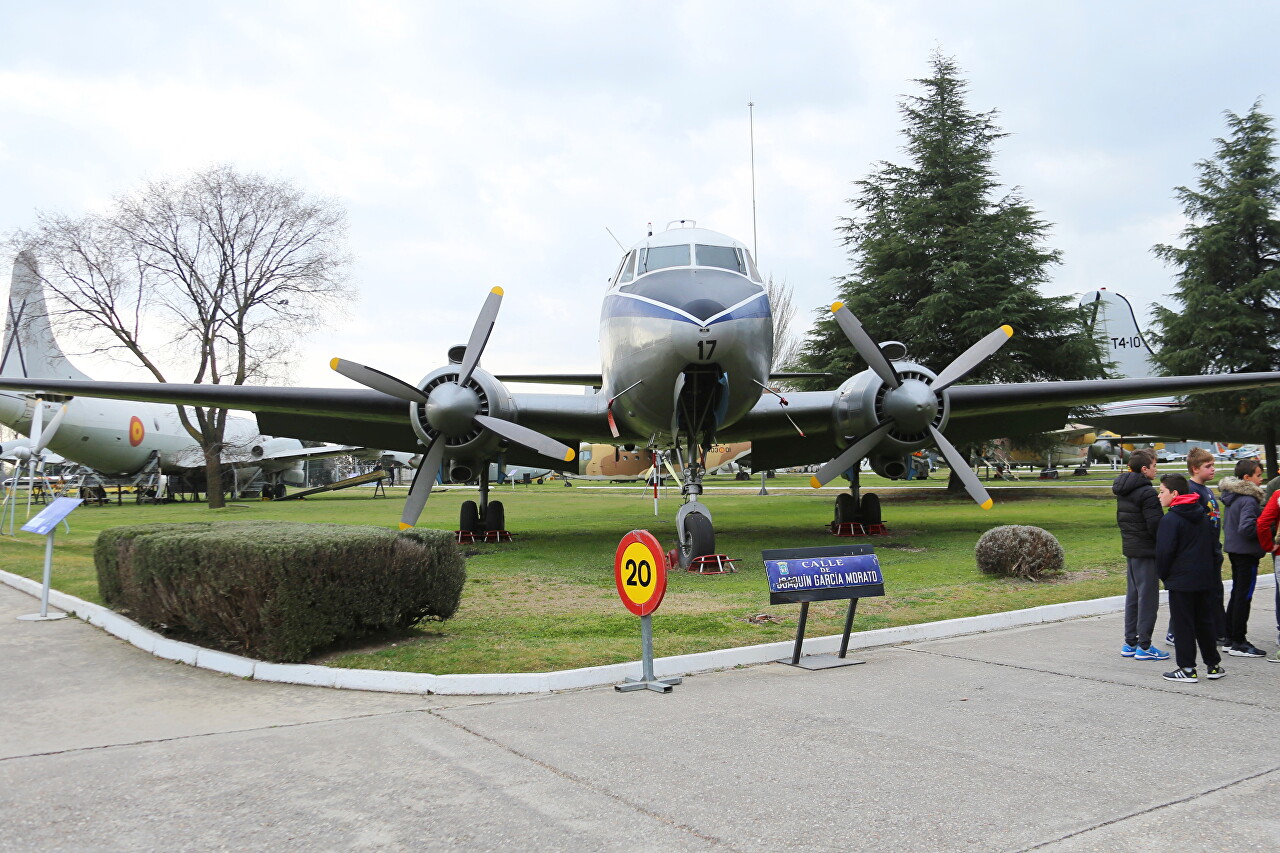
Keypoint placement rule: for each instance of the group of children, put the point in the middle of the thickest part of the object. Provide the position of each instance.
(1182, 548)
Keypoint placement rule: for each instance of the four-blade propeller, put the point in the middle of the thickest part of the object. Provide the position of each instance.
(911, 404)
(451, 410)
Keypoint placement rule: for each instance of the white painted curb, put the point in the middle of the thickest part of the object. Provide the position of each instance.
(566, 679)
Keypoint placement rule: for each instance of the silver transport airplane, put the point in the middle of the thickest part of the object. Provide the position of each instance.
(686, 342)
(116, 437)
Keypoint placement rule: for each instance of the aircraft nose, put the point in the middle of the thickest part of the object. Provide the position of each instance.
(703, 309)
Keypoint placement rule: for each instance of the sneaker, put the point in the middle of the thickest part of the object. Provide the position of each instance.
(1127, 651)
(1275, 658)
(1187, 676)
(1215, 672)
(1246, 650)
(1150, 653)
(1225, 642)
(1168, 638)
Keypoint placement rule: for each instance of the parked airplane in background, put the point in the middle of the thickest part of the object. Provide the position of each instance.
(620, 463)
(118, 437)
(1163, 417)
(686, 338)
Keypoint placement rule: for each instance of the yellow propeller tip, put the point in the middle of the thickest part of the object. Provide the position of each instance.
(497, 290)
(333, 363)
(813, 481)
(404, 526)
(1007, 329)
(568, 457)
(836, 306)
(987, 504)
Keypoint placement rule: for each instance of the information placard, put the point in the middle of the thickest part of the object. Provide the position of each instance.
(51, 516)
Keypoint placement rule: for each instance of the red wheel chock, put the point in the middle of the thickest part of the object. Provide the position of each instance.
(713, 564)
(465, 537)
(855, 528)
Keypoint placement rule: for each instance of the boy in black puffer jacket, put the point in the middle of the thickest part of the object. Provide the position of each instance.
(1138, 513)
(1186, 560)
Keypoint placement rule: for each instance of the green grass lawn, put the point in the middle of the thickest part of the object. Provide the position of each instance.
(547, 600)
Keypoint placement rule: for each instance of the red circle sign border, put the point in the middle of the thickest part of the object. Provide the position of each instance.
(650, 542)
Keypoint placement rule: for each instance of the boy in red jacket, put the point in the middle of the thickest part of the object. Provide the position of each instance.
(1267, 521)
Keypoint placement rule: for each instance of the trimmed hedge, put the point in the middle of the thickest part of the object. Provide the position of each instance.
(278, 591)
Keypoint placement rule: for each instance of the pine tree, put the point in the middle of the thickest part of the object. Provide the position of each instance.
(941, 256)
(1228, 279)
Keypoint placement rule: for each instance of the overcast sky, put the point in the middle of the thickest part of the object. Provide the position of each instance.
(477, 144)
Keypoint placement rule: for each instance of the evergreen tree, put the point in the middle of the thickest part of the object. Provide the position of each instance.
(941, 257)
(1228, 279)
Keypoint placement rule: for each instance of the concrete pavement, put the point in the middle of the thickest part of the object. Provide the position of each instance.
(1039, 738)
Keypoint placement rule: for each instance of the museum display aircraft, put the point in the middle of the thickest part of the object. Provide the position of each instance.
(116, 437)
(686, 342)
(1149, 418)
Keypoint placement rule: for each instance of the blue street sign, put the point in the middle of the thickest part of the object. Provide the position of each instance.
(51, 516)
(822, 574)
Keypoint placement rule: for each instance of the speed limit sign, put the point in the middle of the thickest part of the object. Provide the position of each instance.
(640, 572)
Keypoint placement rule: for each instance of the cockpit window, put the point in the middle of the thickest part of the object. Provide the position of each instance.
(661, 257)
(751, 266)
(725, 257)
(626, 273)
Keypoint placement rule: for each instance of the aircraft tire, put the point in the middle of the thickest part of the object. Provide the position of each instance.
(871, 509)
(280, 491)
(495, 517)
(699, 539)
(469, 517)
(846, 508)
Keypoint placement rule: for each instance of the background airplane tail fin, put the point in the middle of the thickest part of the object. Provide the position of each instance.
(29, 348)
(1113, 319)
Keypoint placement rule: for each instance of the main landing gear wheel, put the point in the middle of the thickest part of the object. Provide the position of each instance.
(279, 491)
(699, 539)
(846, 508)
(469, 517)
(871, 509)
(495, 517)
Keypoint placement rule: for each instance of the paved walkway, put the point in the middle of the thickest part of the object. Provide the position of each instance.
(1039, 738)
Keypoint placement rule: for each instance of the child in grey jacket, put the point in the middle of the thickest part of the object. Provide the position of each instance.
(1242, 499)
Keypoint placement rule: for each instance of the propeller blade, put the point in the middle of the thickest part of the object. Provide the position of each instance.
(850, 457)
(529, 438)
(423, 479)
(37, 420)
(866, 347)
(480, 335)
(50, 430)
(378, 381)
(972, 484)
(972, 357)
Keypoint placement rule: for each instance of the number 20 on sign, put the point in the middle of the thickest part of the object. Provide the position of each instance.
(640, 572)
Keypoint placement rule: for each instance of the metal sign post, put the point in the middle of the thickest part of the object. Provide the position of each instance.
(802, 575)
(46, 523)
(640, 573)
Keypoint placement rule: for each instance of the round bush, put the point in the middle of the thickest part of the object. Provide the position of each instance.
(1019, 551)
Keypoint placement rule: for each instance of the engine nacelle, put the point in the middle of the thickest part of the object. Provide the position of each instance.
(864, 402)
(890, 467)
(451, 408)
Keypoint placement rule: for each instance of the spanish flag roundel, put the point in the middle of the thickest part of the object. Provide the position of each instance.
(136, 432)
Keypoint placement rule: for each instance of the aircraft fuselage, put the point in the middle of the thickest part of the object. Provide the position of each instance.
(686, 336)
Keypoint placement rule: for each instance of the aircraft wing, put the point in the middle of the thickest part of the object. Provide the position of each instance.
(362, 417)
(977, 411)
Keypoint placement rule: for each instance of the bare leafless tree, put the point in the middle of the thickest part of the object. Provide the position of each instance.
(235, 266)
(785, 343)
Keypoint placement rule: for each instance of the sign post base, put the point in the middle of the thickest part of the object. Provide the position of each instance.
(647, 681)
(42, 617)
(819, 662)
